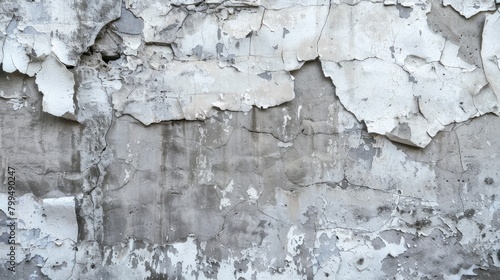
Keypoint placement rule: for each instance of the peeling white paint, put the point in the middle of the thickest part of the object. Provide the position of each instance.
(177, 175)
(59, 92)
(469, 8)
(490, 52)
(46, 228)
(170, 94)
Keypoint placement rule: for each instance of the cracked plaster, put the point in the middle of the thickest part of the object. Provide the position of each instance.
(199, 141)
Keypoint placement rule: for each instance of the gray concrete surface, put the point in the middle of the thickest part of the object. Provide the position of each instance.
(250, 139)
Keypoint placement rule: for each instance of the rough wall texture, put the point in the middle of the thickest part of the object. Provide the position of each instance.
(250, 139)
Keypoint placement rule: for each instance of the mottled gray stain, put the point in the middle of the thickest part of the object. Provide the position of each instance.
(285, 31)
(128, 23)
(198, 51)
(265, 75)
(219, 48)
(404, 12)
(465, 32)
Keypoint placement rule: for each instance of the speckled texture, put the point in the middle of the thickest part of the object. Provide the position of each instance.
(250, 139)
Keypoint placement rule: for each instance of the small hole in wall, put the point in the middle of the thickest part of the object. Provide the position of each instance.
(92, 266)
(327, 274)
(488, 180)
(360, 261)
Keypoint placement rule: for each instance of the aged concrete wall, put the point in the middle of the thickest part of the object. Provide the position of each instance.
(250, 139)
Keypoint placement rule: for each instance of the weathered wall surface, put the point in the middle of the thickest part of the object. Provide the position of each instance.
(251, 139)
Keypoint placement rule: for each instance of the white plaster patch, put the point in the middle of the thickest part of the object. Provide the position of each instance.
(191, 90)
(356, 256)
(57, 92)
(47, 228)
(294, 241)
(72, 29)
(252, 193)
(224, 201)
(490, 53)
(470, 231)
(401, 101)
(350, 29)
(156, 30)
(396, 85)
(387, 104)
(185, 255)
(14, 56)
(17, 103)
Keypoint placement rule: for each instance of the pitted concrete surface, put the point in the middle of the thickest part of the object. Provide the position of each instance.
(250, 139)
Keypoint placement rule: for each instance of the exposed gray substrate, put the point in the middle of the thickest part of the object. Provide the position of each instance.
(204, 146)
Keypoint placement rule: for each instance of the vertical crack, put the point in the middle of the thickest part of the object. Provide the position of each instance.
(323, 27)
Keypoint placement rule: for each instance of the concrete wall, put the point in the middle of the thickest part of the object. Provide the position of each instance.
(250, 139)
